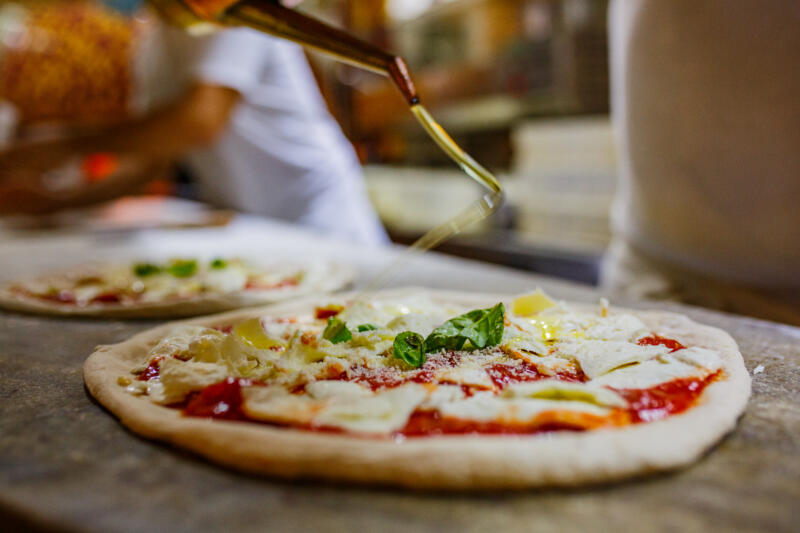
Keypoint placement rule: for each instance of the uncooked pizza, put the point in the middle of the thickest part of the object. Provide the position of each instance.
(176, 287)
(431, 389)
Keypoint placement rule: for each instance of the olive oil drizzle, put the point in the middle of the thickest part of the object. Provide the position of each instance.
(475, 212)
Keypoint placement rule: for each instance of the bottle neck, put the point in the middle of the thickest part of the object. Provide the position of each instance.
(271, 17)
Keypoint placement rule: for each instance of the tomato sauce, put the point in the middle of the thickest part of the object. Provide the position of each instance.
(151, 371)
(432, 423)
(222, 400)
(661, 401)
(656, 340)
(258, 286)
(107, 298)
(68, 297)
(374, 378)
(503, 374)
(62, 297)
(324, 313)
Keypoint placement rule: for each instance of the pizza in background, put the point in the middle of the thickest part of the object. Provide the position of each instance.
(178, 287)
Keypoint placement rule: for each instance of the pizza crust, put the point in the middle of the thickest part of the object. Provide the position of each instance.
(446, 462)
(336, 276)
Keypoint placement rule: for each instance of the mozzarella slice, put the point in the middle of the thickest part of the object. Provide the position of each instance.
(442, 395)
(178, 378)
(699, 357)
(598, 357)
(276, 404)
(88, 292)
(420, 323)
(552, 389)
(323, 390)
(232, 278)
(623, 327)
(488, 407)
(649, 373)
(474, 375)
(524, 335)
(383, 412)
(252, 333)
(180, 339)
(525, 410)
(481, 407)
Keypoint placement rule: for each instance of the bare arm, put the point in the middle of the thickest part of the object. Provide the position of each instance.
(164, 135)
(157, 139)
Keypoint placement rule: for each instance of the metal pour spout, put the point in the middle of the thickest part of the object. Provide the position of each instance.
(271, 17)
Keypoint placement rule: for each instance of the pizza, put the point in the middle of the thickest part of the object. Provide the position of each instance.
(176, 287)
(431, 389)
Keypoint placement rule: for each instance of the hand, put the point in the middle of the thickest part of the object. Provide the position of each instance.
(29, 162)
(20, 197)
(130, 6)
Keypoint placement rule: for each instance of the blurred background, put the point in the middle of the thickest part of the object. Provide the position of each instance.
(522, 85)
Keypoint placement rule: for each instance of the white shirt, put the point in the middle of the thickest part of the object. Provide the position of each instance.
(282, 155)
(706, 108)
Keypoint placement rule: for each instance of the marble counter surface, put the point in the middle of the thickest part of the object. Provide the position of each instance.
(66, 464)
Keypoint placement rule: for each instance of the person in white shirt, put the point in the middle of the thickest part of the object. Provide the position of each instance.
(243, 110)
(706, 111)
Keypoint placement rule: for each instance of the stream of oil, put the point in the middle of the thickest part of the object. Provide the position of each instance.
(475, 212)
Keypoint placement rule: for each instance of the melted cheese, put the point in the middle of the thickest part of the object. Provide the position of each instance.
(472, 374)
(487, 407)
(340, 405)
(700, 357)
(177, 378)
(649, 373)
(276, 404)
(422, 323)
(551, 389)
(381, 412)
(186, 341)
(623, 328)
(599, 357)
(552, 338)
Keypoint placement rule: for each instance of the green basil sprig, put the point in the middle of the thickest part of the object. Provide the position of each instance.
(476, 329)
(218, 263)
(143, 270)
(182, 268)
(366, 327)
(409, 346)
(481, 327)
(336, 331)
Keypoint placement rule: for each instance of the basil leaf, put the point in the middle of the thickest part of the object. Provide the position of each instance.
(218, 263)
(336, 331)
(182, 268)
(366, 327)
(146, 269)
(480, 327)
(408, 347)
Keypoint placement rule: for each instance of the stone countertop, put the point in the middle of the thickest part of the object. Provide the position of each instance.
(66, 464)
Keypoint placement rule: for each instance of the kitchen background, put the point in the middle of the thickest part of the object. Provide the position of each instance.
(522, 85)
